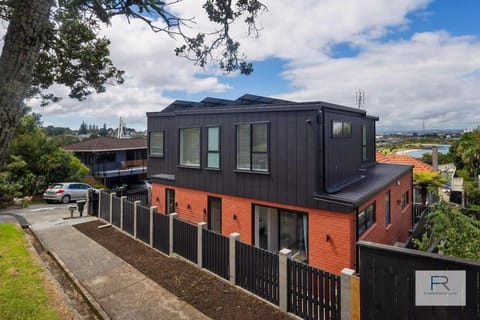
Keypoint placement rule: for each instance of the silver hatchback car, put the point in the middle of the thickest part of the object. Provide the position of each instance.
(66, 191)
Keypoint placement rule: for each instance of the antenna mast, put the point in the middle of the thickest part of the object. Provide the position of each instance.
(360, 99)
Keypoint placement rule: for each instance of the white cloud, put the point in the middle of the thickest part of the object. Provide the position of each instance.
(431, 76)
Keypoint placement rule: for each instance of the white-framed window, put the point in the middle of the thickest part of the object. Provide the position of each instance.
(157, 140)
(341, 129)
(213, 147)
(189, 147)
(252, 147)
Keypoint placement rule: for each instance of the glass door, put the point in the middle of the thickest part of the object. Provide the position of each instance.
(170, 201)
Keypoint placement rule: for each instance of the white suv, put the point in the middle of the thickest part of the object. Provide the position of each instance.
(66, 191)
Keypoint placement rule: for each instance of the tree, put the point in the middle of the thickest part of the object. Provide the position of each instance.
(51, 42)
(450, 233)
(428, 182)
(36, 160)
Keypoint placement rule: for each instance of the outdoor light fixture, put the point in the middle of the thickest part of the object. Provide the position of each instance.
(188, 206)
(398, 182)
(204, 211)
(399, 201)
(176, 204)
(234, 216)
(327, 238)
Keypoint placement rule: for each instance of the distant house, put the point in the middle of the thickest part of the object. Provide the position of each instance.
(418, 166)
(301, 176)
(113, 161)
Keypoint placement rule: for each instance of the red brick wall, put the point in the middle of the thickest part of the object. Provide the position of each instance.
(331, 256)
(401, 219)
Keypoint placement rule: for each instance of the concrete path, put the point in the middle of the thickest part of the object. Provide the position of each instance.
(118, 290)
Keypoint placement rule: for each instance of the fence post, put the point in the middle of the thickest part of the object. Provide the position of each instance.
(234, 237)
(122, 207)
(200, 227)
(151, 224)
(283, 257)
(171, 216)
(100, 191)
(350, 297)
(135, 212)
(111, 206)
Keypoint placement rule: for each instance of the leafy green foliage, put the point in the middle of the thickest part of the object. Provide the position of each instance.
(36, 161)
(451, 233)
(428, 181)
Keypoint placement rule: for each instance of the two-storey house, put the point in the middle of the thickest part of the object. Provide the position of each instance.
(283, 174)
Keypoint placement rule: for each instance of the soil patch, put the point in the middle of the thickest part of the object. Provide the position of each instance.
(209, 294)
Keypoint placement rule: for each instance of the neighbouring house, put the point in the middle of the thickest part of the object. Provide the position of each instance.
(113, 161)
(301, 176)
(418, 166)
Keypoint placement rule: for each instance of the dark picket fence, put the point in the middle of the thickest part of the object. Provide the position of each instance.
(256, 270)
(143, 224)
(216, 253)
(138, 195)
(105, 206)
(161, 232)
(185, 240)
(128, 216)
(312, 293)
(116, 202)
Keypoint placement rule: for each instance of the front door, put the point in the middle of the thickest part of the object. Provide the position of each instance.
(215, 214)
(170, 201)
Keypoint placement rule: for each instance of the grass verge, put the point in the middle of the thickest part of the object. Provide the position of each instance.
(22, 292)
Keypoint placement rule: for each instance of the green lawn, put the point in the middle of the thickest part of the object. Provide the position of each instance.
(22, 294)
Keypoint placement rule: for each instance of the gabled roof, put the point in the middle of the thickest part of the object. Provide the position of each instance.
(107, 144)
(418, 165)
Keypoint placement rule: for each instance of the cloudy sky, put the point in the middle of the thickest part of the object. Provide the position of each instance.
(418, 61)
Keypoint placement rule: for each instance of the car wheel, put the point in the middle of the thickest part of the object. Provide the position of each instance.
(66, 199)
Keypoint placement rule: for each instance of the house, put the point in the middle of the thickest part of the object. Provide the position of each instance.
(113, 161)
(283, 174)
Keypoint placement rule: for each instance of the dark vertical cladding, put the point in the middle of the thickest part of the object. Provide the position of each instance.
(303, 157)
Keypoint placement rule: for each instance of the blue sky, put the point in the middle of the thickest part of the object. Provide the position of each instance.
(417, 61)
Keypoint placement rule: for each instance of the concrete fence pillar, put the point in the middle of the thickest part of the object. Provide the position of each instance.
(111, 206)
(135, 217)
(152, 209)
(171, 216)
(350, 298)
(100, 191)
(122, 208)
(283, 257)
(201, 226)
(234, 237)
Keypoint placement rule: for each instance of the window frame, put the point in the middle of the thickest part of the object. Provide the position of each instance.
(251, 152)
(369, 220)
(346, 129)
(388, 208)
(199, 153)
(364, 143)
(162, 154)
(219, 148)
(405, 198)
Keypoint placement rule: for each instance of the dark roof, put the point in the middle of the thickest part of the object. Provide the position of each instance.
(209, 102)
(374, 179)
(108, 144)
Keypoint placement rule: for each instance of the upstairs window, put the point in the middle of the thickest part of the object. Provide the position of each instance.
(366, 219)
(364, 143)
(190, 147)
(252, 147)
(341, 129)
(213, 147)
(156, 143)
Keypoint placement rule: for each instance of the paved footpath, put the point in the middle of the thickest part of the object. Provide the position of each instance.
(115, 288)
